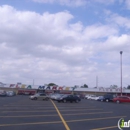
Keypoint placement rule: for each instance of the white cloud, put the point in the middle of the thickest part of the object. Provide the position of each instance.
(127, 3)
(104, 1)
(120, 20)
(48, 47)
(64, 2)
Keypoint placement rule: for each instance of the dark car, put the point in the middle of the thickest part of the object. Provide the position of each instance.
(108, 97)
(70, 98)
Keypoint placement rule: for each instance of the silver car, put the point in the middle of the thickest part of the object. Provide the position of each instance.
(40, 96)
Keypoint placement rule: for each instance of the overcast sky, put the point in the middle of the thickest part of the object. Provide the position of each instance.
(67, 42)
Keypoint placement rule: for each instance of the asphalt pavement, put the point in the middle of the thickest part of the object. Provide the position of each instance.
(21, 113)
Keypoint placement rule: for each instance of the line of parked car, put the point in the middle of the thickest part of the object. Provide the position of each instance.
(109, 98)
(4, 93)
(65, 98)
(57, 97)
(76, 98)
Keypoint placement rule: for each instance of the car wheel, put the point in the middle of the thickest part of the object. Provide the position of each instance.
(64, 100)
(77, 101)
(107, 100)
(59, 101)
(102, 100)
(35, 98)
(117, 101)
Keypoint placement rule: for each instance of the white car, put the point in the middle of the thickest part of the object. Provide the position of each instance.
(87, 96)
(93, 97)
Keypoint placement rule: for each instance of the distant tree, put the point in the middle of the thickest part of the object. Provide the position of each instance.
(85, 86)
(29, 87)
(73, 88)
(52, 84)
(128, 87)
(113, 86)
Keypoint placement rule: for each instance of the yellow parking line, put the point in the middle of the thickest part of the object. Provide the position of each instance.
(51, 110)
(65, 124)
(44, 108)
(88, 113)
(27, 107)
(103, 118)
(27, 116)
(35, 105)
(54, 122)
(35, 123)
(55, 115)
(105, 128)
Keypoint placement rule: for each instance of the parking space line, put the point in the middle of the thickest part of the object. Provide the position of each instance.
(88, 113)
(54, 115)
(37, 107)
(104, 128)
(54, 122)
(8, 107)
(64, 122)
(52, 110)
(103, 118)
(33, 105)
(26, 116)
(35, 123)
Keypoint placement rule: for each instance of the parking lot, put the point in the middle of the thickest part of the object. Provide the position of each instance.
(21, 113)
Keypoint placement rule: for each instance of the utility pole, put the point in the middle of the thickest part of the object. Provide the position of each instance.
(121, 69)
(96, 81)
(33, 82)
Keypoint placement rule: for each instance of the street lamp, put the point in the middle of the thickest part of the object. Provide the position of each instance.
(121, 69)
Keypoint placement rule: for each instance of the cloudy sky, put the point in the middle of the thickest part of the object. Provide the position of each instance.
(67, 42)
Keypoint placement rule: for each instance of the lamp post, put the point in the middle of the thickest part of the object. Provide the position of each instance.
(121, 69)
(96, 81)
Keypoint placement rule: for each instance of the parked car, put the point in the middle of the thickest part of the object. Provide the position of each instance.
(87, 96)
(100, 98)
(10, 93)
(2, 93)
(41, 96)
(70, 98)
(58, 96)
(121, 99)
(53, 96)
(93, 97)
(108, 97)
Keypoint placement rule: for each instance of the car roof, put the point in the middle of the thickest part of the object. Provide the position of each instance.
(124, 96)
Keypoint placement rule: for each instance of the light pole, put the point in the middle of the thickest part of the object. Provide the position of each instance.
(121, 69)
(96, 81)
